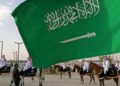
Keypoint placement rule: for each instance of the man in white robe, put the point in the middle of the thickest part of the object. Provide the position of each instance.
(106, 65)
(117, 65)
(28, 64)
(86, 66)
(27, 68)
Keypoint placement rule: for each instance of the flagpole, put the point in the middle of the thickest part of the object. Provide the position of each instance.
(14, 55)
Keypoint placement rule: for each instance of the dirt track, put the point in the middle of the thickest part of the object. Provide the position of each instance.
(55, 80)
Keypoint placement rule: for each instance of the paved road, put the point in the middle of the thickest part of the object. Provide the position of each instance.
(54, 80)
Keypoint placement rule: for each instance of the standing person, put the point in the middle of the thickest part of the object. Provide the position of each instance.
(16, 75)
(2, 63)
(106, 66)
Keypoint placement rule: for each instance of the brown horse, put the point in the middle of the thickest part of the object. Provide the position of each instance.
(98, 70)
(61, 70)
(80, 71)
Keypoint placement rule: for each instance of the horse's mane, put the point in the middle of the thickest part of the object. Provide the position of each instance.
(76, 65)
(96, 64)
(57, 66)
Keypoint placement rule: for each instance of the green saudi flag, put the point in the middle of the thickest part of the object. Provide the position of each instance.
(61, 30)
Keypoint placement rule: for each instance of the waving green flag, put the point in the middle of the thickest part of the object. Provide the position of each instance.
(62, 30)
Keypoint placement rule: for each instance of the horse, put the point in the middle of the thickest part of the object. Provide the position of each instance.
(61, 70)
(30, 73)
(80, 71)
(98, 70)
(6, 69)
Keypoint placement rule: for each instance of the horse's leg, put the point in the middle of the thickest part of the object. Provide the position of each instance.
(90, 79)
(22, 81)
(103, 82)
(93, 78)
(116, 81)
(82, 80)
(69, 73)
(11, 82)
(61, 75)
(100, 82)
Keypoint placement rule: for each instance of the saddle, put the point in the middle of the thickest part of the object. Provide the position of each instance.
(85, 72)
(67, 69)
(33, 72)
(29, 72)
(111, 73)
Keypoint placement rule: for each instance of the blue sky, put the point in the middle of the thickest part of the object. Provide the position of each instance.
(8, 29)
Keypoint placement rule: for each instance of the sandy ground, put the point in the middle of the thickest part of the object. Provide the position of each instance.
(55, 80)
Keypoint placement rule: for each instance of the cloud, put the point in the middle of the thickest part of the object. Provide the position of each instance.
(10, 3)
(4, 11)
(1, 24)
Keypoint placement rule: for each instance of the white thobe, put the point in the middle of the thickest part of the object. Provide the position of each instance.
(106, 65)
(63, 65)
(27, 65)
(86, 66)
(118, 66)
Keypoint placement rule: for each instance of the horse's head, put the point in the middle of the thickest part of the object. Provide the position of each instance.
(76, 67)
(57, 67)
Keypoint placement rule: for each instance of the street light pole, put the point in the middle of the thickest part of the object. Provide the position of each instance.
(18, 43)
(1, 48)
(14, 56)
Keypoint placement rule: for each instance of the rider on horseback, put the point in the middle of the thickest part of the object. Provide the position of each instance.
(28, 64)
(28, 67)
(63, 65)
(2, 63)
(117, 65)
(85, 66)
(106, 65)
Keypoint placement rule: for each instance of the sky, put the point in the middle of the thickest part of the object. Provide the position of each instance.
(9, 31)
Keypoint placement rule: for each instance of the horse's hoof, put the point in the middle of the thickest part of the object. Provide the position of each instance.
(32, 79)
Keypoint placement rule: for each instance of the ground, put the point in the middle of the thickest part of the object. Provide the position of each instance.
(55, 80)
